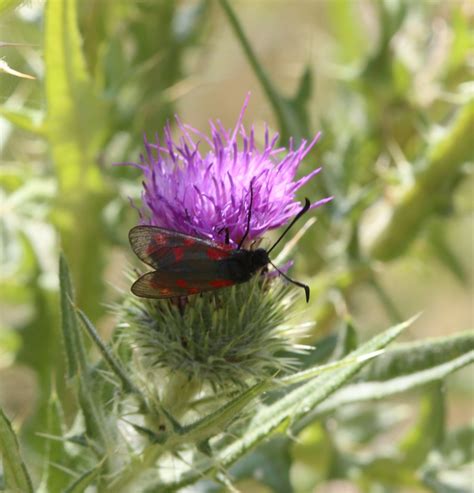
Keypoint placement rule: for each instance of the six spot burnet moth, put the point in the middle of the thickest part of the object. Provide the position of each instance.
(187, 265)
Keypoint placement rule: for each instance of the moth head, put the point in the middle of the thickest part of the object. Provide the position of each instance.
(259, 258)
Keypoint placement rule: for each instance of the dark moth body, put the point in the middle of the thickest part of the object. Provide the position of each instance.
(244, 264)
(186, 265)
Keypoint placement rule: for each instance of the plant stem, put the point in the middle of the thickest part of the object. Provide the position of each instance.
(442, 165)
(286, 121)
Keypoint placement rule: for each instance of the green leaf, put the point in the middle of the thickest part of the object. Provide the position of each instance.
(113, 363)
(428, 432)
(17, 478)
(288, 409)
(85, 480)
(89, 398)
(269, 464)
(54, 478)
(415, 356)
(301, 400)
(304, 90)
(218, 420)
(72, 340)
(298, 104)
(28, 120)
(368, 391)
(203, 428)
(310, 373)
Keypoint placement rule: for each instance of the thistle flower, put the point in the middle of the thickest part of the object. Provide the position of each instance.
(205, 193)
(233, 336)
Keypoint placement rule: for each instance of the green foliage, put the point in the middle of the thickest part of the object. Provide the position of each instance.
(54, 478)
(417, 356)
(272, 460)
(290, 113)
(378, 390)
(76, 117)
(387, 83)
(442, 164)
(16, 475)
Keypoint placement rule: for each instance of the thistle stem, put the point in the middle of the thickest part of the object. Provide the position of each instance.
(178, 393)
(277, 102)
(442, 164)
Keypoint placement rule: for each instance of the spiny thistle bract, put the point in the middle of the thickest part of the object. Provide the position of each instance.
(233, 336)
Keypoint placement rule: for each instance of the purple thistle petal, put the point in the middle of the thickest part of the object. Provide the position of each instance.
(203, 193)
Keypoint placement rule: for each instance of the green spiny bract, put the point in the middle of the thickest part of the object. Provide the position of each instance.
(216, 341)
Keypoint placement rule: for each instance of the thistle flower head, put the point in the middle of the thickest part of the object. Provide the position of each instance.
(223, 340)
(204, 193)
(231, 336)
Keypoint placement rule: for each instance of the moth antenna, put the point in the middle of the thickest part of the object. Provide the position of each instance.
(306, 206)
(248, 217)
(296, 283)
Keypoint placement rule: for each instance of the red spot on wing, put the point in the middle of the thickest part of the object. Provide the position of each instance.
(151, 249)
(178, 253)
(160, 239)
(216, 254)
(157, 243)
(181, 283)
(221, 283)
(189, 241)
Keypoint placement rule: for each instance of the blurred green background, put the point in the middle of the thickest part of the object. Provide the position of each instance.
(389, 83)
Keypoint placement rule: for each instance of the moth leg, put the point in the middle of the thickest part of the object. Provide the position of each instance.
(249, 217)
(227, 234)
